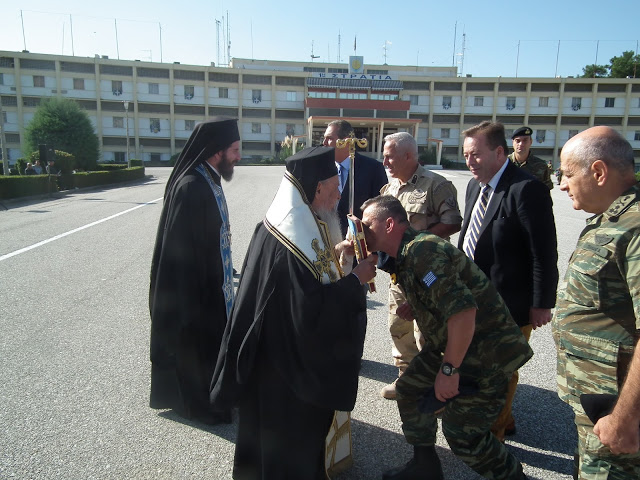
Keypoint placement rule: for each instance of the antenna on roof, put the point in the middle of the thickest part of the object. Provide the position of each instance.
(312, 55)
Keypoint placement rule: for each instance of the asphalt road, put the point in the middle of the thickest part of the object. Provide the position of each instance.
(74, 342)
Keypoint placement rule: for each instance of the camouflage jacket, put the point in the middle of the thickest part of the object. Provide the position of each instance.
(597, 317)
(537, 167)
(440, 281)
(427, 197)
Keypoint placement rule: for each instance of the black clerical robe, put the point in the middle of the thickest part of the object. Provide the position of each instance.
(186, 301)
(289, 358)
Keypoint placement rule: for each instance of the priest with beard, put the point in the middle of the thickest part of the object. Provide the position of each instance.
(191, 290)
(291, 353)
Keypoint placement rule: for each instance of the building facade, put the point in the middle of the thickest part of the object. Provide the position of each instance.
(274, 99)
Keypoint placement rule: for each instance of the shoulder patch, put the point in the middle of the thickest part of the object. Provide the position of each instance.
(429, 279)
(602, 239)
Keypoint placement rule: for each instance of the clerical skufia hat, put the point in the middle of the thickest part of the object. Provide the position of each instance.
(522, 131)
(312, 165)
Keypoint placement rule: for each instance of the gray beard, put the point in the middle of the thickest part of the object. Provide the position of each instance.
(331, 218)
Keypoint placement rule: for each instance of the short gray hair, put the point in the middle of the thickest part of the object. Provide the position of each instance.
(403, 142)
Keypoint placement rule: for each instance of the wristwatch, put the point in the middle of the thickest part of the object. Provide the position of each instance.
(448, 369)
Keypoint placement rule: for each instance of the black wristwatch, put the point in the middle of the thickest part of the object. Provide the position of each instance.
(448, 369)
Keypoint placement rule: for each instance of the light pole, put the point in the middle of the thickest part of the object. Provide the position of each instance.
(126, 110)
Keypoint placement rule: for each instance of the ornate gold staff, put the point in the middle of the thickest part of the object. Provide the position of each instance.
(356, 232)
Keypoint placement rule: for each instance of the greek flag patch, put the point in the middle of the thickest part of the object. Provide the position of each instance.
(429, 278)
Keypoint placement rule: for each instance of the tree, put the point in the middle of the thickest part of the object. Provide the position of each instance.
(625, 65)
(593, 70)
(63, 125)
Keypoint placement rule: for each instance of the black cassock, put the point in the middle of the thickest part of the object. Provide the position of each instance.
(290, 356)
(186, 301)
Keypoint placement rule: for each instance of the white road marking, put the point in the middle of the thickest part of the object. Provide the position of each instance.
(75, 230)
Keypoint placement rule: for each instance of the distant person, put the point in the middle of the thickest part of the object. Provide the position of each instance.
(473, 347)
(191, 290)
(432, 205)
(370, 174)
(29, 170)
(52, 169)
(523, 158)
(510, 233)
(292, 350)
(597, 319)
(37, 167)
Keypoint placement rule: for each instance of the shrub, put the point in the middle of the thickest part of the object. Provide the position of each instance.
(108, 167)
(24, 185)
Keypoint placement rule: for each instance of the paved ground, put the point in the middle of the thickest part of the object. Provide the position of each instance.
(74, 347)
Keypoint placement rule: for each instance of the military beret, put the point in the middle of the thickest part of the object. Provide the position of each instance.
(521, 131)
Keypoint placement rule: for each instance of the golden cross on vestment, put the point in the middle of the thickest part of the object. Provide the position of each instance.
(352, 141)
(324, 261)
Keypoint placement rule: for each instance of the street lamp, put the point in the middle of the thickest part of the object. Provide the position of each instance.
(126, 110)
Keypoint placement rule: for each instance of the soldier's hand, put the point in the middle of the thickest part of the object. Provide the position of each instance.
(539, 317)
(446, 387)
(366, 269)
(619, 435)
(405, 312)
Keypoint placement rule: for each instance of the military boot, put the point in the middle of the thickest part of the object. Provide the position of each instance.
(425, 465)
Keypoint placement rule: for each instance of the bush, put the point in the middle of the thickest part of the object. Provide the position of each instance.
(21, 166)
(107, 167)
(61, 123)
(23, 185)
(137, 163)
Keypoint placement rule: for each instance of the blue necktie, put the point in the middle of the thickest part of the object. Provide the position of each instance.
(476, 222)
(342, 173)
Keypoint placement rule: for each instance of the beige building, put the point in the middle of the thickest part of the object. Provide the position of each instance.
(273, 99)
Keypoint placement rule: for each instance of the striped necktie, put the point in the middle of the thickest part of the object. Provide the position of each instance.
(476, 222)
(342, 174)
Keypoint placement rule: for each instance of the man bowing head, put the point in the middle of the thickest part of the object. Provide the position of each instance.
(291, 352)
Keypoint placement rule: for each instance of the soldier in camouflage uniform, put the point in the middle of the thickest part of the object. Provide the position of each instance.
(523, 158)
(597, 319)
(431, 204)
(470, 337)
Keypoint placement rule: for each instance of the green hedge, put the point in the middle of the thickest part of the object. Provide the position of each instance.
(25, 185)
(107, 167)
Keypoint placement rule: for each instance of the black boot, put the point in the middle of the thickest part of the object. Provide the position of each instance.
(425, 465)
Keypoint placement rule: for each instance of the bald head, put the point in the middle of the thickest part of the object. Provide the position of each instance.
(597, 167)
(600, 143)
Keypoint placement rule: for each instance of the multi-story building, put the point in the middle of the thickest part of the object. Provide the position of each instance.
(273, 99)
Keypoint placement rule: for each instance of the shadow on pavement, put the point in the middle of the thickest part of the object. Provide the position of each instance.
(382, 372)
(226, 431)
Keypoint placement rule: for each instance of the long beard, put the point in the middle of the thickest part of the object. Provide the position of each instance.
(331, 218)
(225, 167)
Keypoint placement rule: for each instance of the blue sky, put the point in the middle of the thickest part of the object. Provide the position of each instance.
(414, 31)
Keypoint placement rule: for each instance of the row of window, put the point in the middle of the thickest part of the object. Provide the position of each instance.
(540, 135)
(576, 102)
(256, 95)
(189, 125)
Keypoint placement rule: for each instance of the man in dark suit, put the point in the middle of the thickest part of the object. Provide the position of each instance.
(370, 175)
(509, 232)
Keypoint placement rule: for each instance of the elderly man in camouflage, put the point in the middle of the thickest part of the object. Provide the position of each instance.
(522, 157)
(597, 318)
(431, 204)
(472, 345)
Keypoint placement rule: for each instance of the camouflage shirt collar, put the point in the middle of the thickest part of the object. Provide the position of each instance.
(622, 203)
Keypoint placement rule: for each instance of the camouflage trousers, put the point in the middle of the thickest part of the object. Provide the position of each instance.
(577, 374)
(406, 336)
(466, 421)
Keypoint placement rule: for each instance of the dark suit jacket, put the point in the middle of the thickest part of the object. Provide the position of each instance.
(517, 247)
(370, 178)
